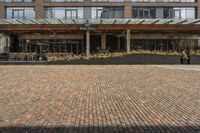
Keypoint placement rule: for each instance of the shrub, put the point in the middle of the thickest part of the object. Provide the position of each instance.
(69, 57)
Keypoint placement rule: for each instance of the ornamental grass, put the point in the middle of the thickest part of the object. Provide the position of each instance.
(73, 57)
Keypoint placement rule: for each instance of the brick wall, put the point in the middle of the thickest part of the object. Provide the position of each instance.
(198, 9)
(39, 9)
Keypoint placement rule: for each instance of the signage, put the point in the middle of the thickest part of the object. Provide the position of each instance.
(86, 27)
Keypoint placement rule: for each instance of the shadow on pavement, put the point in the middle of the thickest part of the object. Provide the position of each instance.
(99, 129)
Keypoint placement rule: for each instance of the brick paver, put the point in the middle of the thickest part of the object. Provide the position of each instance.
(96, 99)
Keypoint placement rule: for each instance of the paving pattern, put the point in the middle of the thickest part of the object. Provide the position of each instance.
(99, 99)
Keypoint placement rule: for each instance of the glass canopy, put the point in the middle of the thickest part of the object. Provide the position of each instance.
(100, 21)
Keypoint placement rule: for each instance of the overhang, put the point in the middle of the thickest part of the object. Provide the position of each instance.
(179, 25)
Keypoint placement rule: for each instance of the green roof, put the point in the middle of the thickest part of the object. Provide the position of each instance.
(100, 21)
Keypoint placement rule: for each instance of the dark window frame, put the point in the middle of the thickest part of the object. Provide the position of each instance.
(18, 12)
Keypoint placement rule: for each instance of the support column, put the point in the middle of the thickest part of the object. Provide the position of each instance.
(159, 13)
(198, 9)
(128, 12)
(2, 12)
(118, 43)
(128, 40)
(39, 10)
(4, 43)
(87, 12)
(103, 41)
(198, 41)
(87, 43)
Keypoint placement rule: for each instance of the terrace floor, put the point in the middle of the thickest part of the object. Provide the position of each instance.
(95, 98)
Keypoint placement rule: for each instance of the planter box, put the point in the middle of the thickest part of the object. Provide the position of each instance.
(195, 59)
(128, 59)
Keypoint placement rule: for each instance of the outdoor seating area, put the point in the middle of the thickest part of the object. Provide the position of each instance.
(57, 54)
(60, 56)
(23, 56)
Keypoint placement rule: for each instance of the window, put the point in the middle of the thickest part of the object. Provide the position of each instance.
(20, 13)
(164, 12)
(70, 14)
(144, 12)
(64, 12)
(107, 12)
(175, 13)
(103, 13)
(180, 12)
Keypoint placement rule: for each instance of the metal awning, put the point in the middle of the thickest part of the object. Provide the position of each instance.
(101, 21)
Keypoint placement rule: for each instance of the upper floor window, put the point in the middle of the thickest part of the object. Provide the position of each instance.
(20, 13)
(107, 12)
(164, 12)
(180, 12)
(64, 12)
(144, 12)
(71, 13)
(17, 0)
(63, 0)
(174, 13)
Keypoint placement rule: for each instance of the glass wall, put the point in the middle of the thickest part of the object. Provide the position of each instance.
(165, 44)
(107, 12)
(20, 13)
(162, 12)
(64, 12)
(63, 0)
(17, 0)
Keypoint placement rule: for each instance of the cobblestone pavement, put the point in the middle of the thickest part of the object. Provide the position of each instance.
(95, 98)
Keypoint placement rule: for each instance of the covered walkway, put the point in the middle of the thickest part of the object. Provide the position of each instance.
(97, 35)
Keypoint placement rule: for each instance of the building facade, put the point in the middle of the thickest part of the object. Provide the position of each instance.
(89, 26)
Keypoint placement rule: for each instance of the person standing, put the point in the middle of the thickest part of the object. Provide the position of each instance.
(183, 57)
(188, 55)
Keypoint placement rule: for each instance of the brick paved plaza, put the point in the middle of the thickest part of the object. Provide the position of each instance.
(96, 99)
